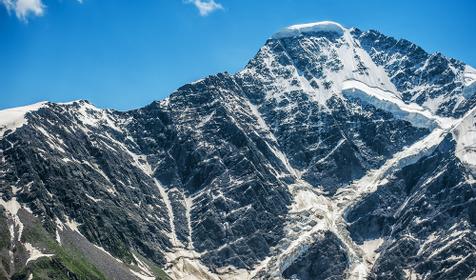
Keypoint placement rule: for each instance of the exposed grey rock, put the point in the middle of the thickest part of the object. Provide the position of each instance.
(209, 174)
(326, 259)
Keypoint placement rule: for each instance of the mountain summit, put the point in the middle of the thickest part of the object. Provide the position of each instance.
(335, 153)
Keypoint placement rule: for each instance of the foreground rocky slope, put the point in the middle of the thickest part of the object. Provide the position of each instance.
(334, 154)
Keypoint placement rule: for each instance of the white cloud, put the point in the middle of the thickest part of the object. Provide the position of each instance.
(24, 8)
(205, 7)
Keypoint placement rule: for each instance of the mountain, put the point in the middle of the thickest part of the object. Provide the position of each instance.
(335, 153)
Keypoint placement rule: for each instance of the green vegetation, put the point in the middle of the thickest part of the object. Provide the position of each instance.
(161, 275)
(67, 263)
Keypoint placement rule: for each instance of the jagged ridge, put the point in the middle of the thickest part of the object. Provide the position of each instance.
(248, 175)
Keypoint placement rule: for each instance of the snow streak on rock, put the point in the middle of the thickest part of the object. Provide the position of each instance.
(323, 158)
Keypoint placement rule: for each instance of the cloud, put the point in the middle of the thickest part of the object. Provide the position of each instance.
(205, 7)
(24, 8)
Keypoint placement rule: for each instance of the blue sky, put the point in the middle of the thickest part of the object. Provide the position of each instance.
(124, 54)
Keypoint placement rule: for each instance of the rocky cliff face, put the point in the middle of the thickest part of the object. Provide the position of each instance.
(334, 154)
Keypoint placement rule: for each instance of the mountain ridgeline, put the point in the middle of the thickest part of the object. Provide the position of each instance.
(335, 153)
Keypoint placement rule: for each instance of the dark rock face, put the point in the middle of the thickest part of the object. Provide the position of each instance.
(86, 176)
(326, 259)
(212, 170)
(239, 196)
(425, 213)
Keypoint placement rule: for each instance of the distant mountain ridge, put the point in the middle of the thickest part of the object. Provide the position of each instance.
(335, 153)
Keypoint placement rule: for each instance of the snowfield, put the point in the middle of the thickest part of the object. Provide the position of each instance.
(11, 119)
(389, 102)
(465, 134)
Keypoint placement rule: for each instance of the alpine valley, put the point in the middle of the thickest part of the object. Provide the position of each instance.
(335, 153)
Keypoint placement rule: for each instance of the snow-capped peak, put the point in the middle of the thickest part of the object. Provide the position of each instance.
(298, 29)
(318, 66)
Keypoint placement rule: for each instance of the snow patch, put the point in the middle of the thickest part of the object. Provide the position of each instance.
(142, 276)
(410, 274)
(145, 273)
(323, 26)
(188, 214)
(11, 119)
(170, 212)
(58, 237)
(388, 101)
(186, 265)
(143, 266)
(305, 199)
(465, 134)
(107, 253)
(370, 248)
(12, 206)
(360, 272)
(469, 76)
(34, 253)
(93, 199)
(73, 225)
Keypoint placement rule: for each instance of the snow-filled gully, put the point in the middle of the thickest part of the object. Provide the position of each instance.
(313, 213)
(184, 262)
(310, 206)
